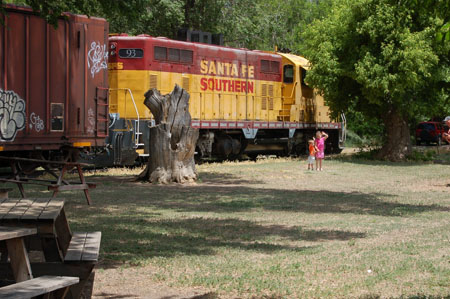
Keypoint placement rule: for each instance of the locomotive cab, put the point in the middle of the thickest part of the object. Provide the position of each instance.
(299, 100)
(302, 104)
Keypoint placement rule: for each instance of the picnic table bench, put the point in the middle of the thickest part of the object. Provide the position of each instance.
(65, 253)
(21, 169)
(26, 286)
(59, 285)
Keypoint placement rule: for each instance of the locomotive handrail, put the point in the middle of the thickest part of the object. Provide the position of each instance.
(132, 99)
(137, 121)
(293, 88)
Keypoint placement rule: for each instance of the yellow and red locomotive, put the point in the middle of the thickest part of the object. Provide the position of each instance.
(242, 101)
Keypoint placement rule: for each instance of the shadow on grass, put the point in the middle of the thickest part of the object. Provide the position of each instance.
(224, 199)
(366, 158)
(133, 229)
(135, 218)
(225, 179)
(372, 162)
(135, 238)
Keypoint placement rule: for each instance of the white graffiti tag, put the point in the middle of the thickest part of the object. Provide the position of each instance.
(91, 120)
(97, 58)
(37, 122)
(12, 115)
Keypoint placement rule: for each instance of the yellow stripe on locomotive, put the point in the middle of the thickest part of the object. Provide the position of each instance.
(264, 104)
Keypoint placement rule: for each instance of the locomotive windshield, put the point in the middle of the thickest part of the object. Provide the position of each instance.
(288, 73)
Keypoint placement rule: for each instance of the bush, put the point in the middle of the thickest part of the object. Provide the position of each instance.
(355, 140)
(423, 156)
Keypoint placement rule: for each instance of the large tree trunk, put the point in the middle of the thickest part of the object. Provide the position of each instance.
(398, 139)
(172, 140)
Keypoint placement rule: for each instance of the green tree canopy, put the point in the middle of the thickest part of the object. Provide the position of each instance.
(383, 59)
(154, 17)
(253, 24)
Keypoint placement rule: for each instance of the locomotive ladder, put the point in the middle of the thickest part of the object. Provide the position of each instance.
(101, 114)
(137, 133)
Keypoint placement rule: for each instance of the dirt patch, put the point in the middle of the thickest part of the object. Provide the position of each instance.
(128, 283)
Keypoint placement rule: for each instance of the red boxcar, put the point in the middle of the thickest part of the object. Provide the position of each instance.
(53, 82)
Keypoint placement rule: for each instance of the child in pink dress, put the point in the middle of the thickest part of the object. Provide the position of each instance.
(320, 145)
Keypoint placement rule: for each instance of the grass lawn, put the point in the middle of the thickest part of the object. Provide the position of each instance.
(273, 229)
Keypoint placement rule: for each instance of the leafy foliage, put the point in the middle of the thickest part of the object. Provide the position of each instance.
(266, 24)
(254, 24)
(380, 58)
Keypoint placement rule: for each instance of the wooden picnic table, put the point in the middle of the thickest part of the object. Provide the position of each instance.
(47, 216)
(65, 253)
(18, 255)
(25, 285)
(22, 167)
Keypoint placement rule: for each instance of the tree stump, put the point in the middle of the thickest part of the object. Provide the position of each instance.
(172, 140)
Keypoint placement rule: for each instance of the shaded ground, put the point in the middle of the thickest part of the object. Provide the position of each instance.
(273, 229)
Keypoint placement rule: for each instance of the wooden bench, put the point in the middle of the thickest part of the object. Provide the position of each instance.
(84, 247)
(83, 253)
(80, 261)
(20, 177)
(39, 286)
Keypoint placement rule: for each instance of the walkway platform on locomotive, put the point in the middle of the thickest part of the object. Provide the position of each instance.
(22, 170)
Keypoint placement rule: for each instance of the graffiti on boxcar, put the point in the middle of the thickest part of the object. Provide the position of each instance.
(91, 120)
(37, 122)
(12, 115)
(97, 58)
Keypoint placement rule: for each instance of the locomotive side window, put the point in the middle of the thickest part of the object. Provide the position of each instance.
(269, 66)
(160, 53)
(186, 56)
(275, 67)
(174, 55)
(303, 76)
(265, 66)
(288, 73)
(57, 114)
(131, 53)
